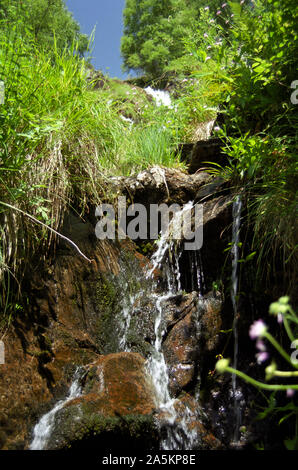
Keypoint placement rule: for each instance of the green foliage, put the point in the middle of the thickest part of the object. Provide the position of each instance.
(248, 53)
(59, 139)
(49, 21)
(155, 31)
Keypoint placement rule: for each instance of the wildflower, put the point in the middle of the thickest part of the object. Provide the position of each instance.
(280, 318)
(207, 58)
(290, 392)
(260, 345)
(206, 8)
(242, 1)
(257, 329)
(227, 21)
(205, 35)
(218, 12)
(262, 357)
(224, 5)
(209, 47)
(216, 129)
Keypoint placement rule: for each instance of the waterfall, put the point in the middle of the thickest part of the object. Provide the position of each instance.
(237, 205)
(162, 98)
(178, 433)
(43, 429)
(177, 421)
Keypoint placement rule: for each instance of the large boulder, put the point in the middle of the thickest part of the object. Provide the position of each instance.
(116, 406)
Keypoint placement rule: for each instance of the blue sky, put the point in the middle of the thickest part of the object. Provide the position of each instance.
(106, 15)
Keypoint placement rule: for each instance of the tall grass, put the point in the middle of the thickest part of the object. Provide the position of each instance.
(59, 140)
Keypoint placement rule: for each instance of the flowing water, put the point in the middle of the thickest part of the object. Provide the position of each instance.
(161, 98)
(177, 418)
(43, 429)
(237, 395)
(178, 433)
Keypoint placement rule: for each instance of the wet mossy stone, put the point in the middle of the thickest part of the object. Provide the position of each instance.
(116, 405)
(79, 427)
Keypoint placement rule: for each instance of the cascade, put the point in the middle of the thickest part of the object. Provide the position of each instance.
(162, 98)
(237, 205)
(178, 434)
(176, 422)
(42, 430)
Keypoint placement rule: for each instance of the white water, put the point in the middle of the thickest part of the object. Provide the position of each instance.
(126, 315)
(237, 205)
(162, 98)
(178, 433)
(43, 429)
(128, 120)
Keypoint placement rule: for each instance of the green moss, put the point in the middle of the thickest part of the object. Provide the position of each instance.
(83, 425)
(106, 301)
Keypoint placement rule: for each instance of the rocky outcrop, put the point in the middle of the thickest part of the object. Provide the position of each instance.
(116, 403)
(157, 185)
(75, 318)
(203, 153)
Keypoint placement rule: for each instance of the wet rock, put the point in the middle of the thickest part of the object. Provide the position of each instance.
(190, 428)
(199, 154)
(181, 347)
(157, 185)
(116, 402)
(211, 320)
(195, 424)
(193, 329)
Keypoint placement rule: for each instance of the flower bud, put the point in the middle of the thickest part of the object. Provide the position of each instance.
(222, 365)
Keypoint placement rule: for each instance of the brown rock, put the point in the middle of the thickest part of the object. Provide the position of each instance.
(211, 320)
(181, 345)
(118, 384)
(116, 406)
(188, 406)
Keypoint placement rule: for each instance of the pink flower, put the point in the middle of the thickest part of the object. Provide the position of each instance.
(260, 345)
(207, 58)
(257, 329)
(206, 8)
(290, 392)
(280, 318)
(224, 5)
(205, 35)
(218, 12)
(262, 357)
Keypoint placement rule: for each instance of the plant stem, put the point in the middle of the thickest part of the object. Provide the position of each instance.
(281, 373)
(258, 384)
(288, 329)
(48, 227)
(278, 347)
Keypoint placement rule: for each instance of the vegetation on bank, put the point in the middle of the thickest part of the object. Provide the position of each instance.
(62, 134)
(64, 128)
